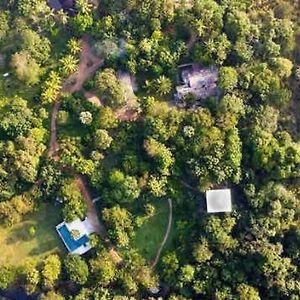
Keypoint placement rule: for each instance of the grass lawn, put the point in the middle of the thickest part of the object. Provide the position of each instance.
(150, 235)
(16, 244)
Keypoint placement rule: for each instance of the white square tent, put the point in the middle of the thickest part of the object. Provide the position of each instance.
(218, 200)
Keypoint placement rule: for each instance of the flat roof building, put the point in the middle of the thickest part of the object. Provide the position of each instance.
(197, 80)
(218, 201)
(75, 235)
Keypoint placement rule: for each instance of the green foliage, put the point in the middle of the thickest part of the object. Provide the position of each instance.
(69, 64)
(4, 25)
(36, 45)
(247, 292)
(7, 276)
(103, 268)
(74, 204)
(76, 268)
(82, 22)
(51, 88)
(51, 270)
(32, 276)
(161, 86)
(26, 68)
(283, 66)
(110, 88)
(228, 78)
(161, 155)
(245, 139)
(122, 189)
(51, 295)
(102, 139)
(119, 221)
(202, 252)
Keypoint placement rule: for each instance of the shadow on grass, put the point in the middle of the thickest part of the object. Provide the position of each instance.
(19, 234)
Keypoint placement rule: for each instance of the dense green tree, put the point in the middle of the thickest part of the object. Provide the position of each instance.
(102, 139)
(51, 295)
(202, 252)
(283, 66)
(110, 88)
(76, 268)
(36, 45)
(119, 221)
(247, 292)
(26, 68)
(51, 270)
(32, 277)
(4, 25)
(16, 117)
(122, 189)
(231, 108)
(74, 204)
(161, 155)
(228, 78)
(7, 276)
(103, 268)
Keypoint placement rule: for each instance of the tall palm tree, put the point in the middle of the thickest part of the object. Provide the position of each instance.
(163, 85)
(69, 64)
(74, 46)
(83, 6)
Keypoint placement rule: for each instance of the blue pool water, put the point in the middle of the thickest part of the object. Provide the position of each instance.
(69, 241)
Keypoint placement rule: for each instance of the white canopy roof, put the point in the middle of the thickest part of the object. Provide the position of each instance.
(218, 200)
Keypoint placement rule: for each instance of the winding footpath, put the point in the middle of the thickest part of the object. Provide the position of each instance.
(158, 254)
(88, 65)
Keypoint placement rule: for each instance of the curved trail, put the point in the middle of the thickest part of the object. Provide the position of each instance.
(166, 234)
(88, 65)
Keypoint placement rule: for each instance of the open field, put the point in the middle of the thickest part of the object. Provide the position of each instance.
(16, 244)
(150, 235)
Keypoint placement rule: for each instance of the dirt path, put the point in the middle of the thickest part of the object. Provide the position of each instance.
(193, 39)
(88, 65)
(92, 215)
(166, 234)
(92, 98)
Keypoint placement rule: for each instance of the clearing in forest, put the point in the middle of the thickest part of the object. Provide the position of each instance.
(150, 235)
(17, 244)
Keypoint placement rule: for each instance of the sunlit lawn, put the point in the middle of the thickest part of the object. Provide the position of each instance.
(16, 244)
(150, 235)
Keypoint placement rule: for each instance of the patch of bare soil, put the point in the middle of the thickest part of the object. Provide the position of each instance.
(92, 98)
(88, 65)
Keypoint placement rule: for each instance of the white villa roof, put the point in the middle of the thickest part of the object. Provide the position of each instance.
(218, 200)
(84, 227)
(77, 225)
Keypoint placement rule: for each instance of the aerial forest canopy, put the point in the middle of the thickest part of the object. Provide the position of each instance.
(117, 116)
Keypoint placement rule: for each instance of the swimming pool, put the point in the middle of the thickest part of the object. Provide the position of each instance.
(70, 243)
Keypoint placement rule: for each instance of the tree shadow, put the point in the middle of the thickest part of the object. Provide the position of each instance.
(19, 234)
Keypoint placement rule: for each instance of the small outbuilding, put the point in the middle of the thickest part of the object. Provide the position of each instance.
(197, 80)
(55, 4)
(218, 200)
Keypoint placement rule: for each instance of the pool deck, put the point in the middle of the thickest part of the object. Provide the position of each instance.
(84, 227)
